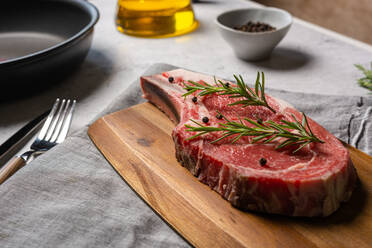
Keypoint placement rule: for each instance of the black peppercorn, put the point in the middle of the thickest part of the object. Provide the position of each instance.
(219, 116)
(194, 99)
(205, 119)
(259, 121)
(171, 79)
(263, 161)
(255, 27)
(227, 85)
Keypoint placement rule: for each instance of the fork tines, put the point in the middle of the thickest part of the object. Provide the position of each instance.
(58, 121)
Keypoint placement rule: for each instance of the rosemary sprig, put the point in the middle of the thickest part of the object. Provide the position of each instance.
(294, 133)
(366, 81)
(251, 98)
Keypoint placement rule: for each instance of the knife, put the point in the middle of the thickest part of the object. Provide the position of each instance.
(14, 143)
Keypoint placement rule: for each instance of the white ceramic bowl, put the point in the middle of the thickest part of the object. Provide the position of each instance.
(254, 46)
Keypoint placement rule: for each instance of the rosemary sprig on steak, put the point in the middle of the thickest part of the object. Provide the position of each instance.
(365, 81)
(294, 133)
(251, 98)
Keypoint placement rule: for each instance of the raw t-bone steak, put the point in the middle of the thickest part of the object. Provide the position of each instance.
(310, 182)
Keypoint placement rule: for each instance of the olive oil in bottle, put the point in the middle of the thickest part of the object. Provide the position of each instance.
(155, 18)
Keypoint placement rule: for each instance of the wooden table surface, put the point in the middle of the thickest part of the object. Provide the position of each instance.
(351, 18)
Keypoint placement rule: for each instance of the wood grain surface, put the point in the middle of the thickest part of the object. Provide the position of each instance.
(138, 144)
(348, 17)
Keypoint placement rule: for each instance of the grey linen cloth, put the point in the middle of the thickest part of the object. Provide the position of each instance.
(72, 197)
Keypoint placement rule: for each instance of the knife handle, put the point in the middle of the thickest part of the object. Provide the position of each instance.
(11, 167)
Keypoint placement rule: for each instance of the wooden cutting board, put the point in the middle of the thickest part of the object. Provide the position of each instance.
(138, 144)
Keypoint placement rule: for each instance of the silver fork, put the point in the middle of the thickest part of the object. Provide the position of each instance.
(53, 132)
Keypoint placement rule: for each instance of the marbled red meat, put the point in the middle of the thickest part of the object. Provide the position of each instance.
(311, 182)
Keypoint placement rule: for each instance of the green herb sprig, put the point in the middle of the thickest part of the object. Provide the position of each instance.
(366, 81)
(294, 133)
(251, 98)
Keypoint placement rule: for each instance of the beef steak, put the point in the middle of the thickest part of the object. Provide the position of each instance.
(311, 182)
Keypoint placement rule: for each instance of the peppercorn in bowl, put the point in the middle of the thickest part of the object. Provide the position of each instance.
(254, 32)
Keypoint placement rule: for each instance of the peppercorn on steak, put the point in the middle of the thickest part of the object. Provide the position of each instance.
(267, 168)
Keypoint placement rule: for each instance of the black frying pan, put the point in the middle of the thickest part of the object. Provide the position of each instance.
(41, 42)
